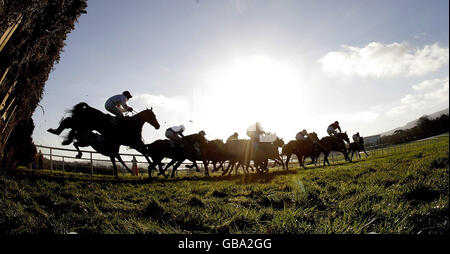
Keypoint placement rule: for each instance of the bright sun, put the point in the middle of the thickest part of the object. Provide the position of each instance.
(246, 90)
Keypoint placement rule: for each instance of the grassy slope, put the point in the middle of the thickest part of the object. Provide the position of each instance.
(390, 193)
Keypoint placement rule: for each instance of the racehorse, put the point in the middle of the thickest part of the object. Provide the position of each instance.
(118, 130)
(303, 149)
(190, 148)
(100, 145)
(330, 143)
(215, 153)
(268, 151)
(356, 147)
(243, 151)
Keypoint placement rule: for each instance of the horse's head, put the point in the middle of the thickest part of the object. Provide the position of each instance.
(344, 136)
(279, 142)
(218, 142)
(149, 116)
(313, 136)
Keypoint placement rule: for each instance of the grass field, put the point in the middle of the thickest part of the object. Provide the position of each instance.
(398, 192)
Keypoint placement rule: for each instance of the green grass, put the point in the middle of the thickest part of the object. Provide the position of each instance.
(389, 193)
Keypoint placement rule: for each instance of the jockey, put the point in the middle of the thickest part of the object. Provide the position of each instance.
(233, 137)
(254, 131)
(301, 135)
(175, 132)
(356, 137)
(333, 127)
(118, 104)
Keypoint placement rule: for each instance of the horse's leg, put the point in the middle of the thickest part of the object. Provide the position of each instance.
(303, 161)
(113, 161)
(123, 163)
(175, 167)
(364, 150)
(325, 158)
(70, 137)
(196, 166)
(205, 164)
(287, 161)
(346, 155)
(173, 161)
(236, 169)
(220, 165)
(225, 171)
(281, 160)
(76, 145)
(65, 123)
(142, 149)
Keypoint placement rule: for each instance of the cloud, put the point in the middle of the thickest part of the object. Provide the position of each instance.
(161, 101)
(420, 35)
(428, 94)
(384, 60)
(169, 110)
(429, 83)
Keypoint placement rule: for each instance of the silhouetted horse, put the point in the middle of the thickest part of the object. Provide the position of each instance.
(242, 151)
(100, 144)
(302, 149)
(356, 147)
(328, 144)
(191, 148)
(119, 130)
(215, 153)
(238, 150)
(268, 151)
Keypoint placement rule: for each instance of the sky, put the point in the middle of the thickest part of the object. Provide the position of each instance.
(222, 65)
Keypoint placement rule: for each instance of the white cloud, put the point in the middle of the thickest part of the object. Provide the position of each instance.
(161, 101)
(428, 94)
(384, 60)
(429, 83)
(420, 35)
(169, 110)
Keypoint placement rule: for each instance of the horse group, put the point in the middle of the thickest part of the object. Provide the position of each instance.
(105, 133)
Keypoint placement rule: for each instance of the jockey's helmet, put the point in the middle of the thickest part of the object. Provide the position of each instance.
(202, 133)
(127, 94)
(182, 127)
(336, 122)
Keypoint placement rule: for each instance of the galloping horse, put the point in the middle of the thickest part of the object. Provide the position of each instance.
(329, 144)
(243, 151)
(268, 151)
(215, 153)
(118, 130)
(193, 147)
(357, 147)
(303, 149)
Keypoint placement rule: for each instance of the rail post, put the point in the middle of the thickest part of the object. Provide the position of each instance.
(63, 164)
(51, 160)
(92, 164)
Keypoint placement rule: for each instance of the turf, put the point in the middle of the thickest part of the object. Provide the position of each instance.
(403, 191)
